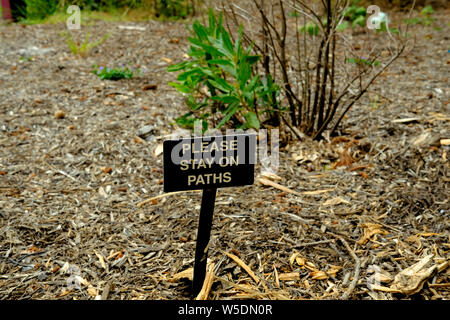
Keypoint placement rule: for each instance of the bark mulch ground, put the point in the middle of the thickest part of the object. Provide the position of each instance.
(369, 204)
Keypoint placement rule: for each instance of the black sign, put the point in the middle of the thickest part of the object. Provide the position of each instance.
(209, 162)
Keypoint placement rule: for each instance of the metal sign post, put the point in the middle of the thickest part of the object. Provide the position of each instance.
(203, 235)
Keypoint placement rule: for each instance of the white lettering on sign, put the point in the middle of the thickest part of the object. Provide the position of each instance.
(208, 178)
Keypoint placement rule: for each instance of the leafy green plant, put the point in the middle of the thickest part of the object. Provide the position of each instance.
(114, 73)
(226, 71)
(427, 10)
(83, 48)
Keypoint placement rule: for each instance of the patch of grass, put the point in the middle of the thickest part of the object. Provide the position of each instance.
(83, 48)
(40, 9)
(424, 18)
(54, 11)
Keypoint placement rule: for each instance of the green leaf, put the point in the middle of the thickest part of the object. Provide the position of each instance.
(180, 87)
(179, 66)
(226, 98)
(253, 59)
(253, 83)
(226, 39)
(244, 74)
(184, 76)
(200, 31)
(342, 26)
(220, 46)
(221, 62)
(427, 10)
(226, 65)
(212, 20)
(231, 110)
(359, 21)
(311, 28)
(252, 120)
(360, 11)
(220, 84)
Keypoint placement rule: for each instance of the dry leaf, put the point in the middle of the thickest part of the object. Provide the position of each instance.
(293, 257)
(370, 229)
(334, 270)
(321, 275)
(428, 234)
(60, 114)
(64, 268)
(138, 140)
(107, 169)
(100, 259)
(300, 261)
(376, 287)
(92, 291)
(186, 274)
(318, 275)
(65, 293)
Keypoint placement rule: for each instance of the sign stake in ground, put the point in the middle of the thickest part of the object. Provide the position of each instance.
(208, 163)
(203, 235)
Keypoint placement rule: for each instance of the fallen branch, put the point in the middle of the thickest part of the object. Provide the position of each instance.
(241, 264)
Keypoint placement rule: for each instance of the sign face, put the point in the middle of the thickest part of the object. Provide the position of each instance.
(209, 162)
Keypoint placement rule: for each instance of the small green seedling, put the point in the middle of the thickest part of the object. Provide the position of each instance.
(25, 58)
(83, 48)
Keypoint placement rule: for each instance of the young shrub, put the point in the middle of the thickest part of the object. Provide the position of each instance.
(219, 80)
(319, 72)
